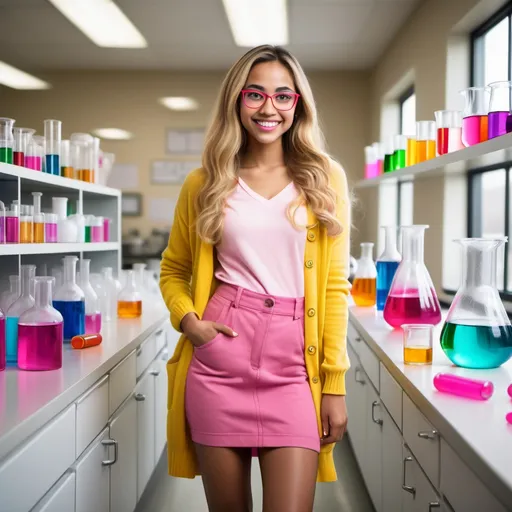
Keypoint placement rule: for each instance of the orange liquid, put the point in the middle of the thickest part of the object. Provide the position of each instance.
(417, 355)
(129, 309)
(26, 232)
(67, 172)
(39, 233)
(411, 151)
(86, 175)
(425, 150)
(364, 291)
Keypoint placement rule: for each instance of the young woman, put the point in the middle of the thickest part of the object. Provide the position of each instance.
(255, 276)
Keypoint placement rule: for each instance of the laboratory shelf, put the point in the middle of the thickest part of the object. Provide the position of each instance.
(485, 154)
(21, 249)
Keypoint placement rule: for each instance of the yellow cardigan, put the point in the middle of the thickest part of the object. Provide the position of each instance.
(187, 282)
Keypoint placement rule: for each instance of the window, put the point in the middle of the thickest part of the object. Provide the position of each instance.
(407, 103)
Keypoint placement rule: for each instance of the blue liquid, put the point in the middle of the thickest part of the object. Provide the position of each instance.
(477, 346)
(73, 313)
(52, 165)
(11, 340)
(385, 274)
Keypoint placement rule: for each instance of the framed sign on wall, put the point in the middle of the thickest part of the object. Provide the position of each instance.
(171, 172)
(131, 204)
(185, 142)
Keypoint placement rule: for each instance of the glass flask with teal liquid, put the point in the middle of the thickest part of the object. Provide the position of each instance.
(477, 332)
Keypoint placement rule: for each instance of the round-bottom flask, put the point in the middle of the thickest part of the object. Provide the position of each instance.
(129, 304)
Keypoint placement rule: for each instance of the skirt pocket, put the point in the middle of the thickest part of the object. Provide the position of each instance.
(216, 311)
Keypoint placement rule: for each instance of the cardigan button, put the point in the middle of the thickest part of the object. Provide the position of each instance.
(311, 236)
(309, 264)
(311, 350)
(315, 380)
(311, 312)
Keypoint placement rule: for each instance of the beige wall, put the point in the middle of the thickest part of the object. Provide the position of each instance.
(88, 100)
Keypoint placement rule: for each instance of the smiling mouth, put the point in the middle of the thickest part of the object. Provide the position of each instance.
(266, 125)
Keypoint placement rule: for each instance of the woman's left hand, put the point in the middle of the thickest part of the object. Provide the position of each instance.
(334, 418)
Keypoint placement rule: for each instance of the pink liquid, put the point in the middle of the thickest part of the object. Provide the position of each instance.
(12, 230)
(380, 167)
(474, 130)
(33, 162)
(2, 230)
(372, 170)
(462, 386)
(406, 308)
(50, 232)
(2, 344)
(96, 233)
(106, 230)
(40, 346)
(93, 324)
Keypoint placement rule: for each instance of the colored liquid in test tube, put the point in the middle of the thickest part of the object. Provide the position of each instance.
(66, 169)
(389, 162)
(6, 139)
(399, 155)
(52, 135)
(12, 225)
(50, 227)
(411, 151)
(97, 230)
(26, 225)
(463, 386)
(106, 229)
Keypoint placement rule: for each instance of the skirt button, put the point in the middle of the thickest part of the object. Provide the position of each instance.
(269, 303)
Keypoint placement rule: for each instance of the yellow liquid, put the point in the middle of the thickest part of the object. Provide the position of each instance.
(425, 150)
(417, 355)
(67, 172)
(364, 291)
(411, 151)
(25, 232)
(39, 233)
(129, 309)
(86, 175)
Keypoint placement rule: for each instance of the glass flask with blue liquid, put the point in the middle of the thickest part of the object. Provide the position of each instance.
(387, 263)
(69, 300)
(477, 332)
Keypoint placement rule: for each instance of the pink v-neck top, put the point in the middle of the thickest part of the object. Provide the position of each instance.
(260, 249)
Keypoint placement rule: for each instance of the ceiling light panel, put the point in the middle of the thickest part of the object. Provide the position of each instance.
(179, 103)
(113, 134)
(17, 79)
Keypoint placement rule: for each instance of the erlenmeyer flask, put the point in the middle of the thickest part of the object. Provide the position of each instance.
(477, 332)
(364, 285)
(475, 120)
(129, 304)
(412, 298)
(92, 302)
(500, 118)
(386, 266)
(140, 279)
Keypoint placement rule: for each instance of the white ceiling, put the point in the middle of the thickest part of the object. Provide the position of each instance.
(195, 35)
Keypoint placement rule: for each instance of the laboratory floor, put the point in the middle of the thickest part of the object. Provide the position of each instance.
(348, 494)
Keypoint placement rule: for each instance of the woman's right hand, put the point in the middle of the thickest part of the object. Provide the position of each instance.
(201, 332)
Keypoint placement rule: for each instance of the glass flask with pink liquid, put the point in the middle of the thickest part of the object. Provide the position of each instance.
(412, 298)
(40, 331)
(475, 115)
(92, 301)
(500, 117)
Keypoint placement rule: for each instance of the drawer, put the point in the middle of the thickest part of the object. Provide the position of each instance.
(145, 354)
(461, 487)
(160, 340)
(28, 473)
(391, 395)
(370, 363)
(61, 496)
(422, 438)
(91, 414)
(353, 337)
(122, 381)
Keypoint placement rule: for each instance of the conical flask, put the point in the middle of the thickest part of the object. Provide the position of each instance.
(363, 287)
(477, 332)
(412, 298)
(129, 304)
(140, 279)
(92, 302)
(386, 266)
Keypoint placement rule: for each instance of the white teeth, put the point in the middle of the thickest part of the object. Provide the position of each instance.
(268, 124)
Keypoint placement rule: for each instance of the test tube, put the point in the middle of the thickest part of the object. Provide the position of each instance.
(6, 139)
(41, 149)
(2, 223)
(411, 150)
(19, 147)
(66, 167)
(95, 155)
(33, 159)
(97, 230)
(449, 131)
(371, 169)
(399, 155)
(388, 155)
(50, 227)
(26, 224)
(83, 163)
(106, 229)
(38, 218)
(12, 224)
(425, 140)
(89, 220)
(52, 137)
(418, 343)
(379, 153)
(463, 386)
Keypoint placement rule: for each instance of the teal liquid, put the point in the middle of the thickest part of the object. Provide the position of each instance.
(388, 163)
(477, 346)
(11, 340)
(399, 159)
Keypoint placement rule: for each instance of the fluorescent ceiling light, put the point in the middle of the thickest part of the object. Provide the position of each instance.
(113, 134)
(17, 79)
(179, 103)
(257, 22)
(103, 22)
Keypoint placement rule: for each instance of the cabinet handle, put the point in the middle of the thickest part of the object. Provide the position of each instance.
(155, 373)
(110, 442)
(358, 339)
(428, 435)
(157, 333)
(377, 421)
(405, 487)
(362, 381)
(138, 352)
(140, 397)
(433, 504)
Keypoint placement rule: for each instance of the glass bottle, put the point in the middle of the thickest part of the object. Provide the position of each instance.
(6, 139)
(475, 115)
(2, 223)
(2, 341)
(129, 304)
(412, 298)
(19, 306)
(12, 224)
(92, 302)
(477, 332)
(69, 300)
(387, 263)
(364, 285)
(500, 106)
(111, 294)
(40, 331)
(9, 296)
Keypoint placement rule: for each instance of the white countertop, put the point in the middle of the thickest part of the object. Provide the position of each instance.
(30, 399)
(477, 430)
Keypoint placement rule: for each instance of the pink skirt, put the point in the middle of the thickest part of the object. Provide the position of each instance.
(252, 390)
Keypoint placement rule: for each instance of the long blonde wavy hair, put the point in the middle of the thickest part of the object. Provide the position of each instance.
(226, 142)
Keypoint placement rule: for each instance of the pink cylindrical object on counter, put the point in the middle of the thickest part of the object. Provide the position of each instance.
(462, 386)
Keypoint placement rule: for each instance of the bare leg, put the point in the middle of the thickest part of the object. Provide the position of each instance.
(226, 474)
(289, 479)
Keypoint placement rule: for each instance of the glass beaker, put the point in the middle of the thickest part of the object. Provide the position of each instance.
(411, 150)
(387, 263)
(12, 224)
(388, 155)
(9, 296)
(26, 224)
(129, 303)
(66, 167)
(2, 223)
(6, 139)
(425, 140)
(111, 293)
(477, 332)
(69, 300)
(371, 169)
(40, 331)
(18, 307)
(33, 157)
(52, 136)
(364, 285)
(449, 131)
(38, 219)
(107, 162)
(412, 298)
(19, 147)
(97, 230)
(92, 302)
(83, 163)
(475, 115)
(418, 343)
(399, 155)
(500, 118)
(95, 157)
(379, 155)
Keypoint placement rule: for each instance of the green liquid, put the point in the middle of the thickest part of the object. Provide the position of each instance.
(6, 155)
(399, 159)
(388, 163)
(87, 233)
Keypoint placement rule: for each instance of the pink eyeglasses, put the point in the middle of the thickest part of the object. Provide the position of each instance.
(281, 100)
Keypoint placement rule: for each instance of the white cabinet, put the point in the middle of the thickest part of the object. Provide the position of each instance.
(123, 473)
(61, 496)
(373, 459)
(160, 374)
(145, 398)
(391, 464)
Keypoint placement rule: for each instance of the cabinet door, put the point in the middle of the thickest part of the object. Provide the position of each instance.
(93, 477)
(145, 398)
(373, 461)
(425, 498)
(123, 472)
(60, 498)
(391, 464)
(160, 375)
(408, 481)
